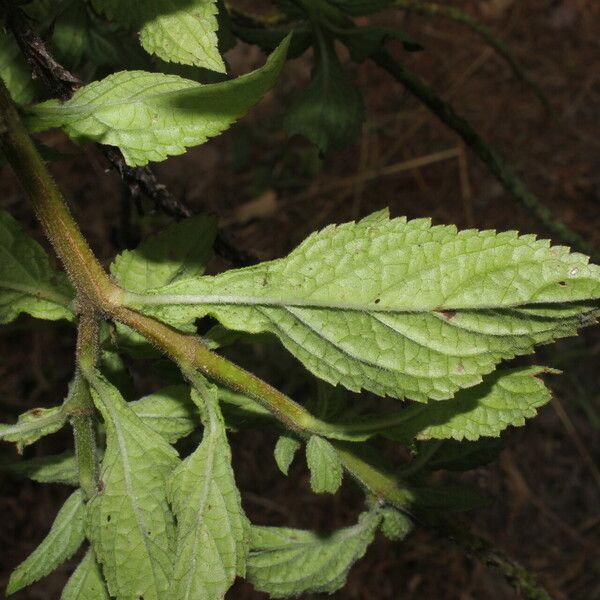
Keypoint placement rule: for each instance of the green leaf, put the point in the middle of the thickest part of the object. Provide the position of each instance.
(86, 582)
(129, 523)
(324, 464)
(64, 538)
(169, 412)
(70, 35)
(182, 31)
(182, 250)
(288, 562)
(150, 116)
(507, 397)
(211, 525)
(399, 308)
(59, 468)
(285, 450)
(395, 525)
(14, 70)
(33, 425)
(329, 112)
(365, 41)
(27, 282)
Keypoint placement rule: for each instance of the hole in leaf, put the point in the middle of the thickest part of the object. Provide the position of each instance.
(108, 517)
(562, 283)
(377, 300)
(205, 324)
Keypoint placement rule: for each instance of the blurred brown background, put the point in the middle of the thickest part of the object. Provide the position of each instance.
(271, 192)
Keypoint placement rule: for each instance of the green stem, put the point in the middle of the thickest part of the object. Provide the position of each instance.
(456, 14)
(446, 113)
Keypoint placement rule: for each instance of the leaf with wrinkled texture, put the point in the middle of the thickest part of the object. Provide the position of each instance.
(130, 525)
(27, 282)
(211, 526)
(86, 582)
(288, 562)
(324, 464)
(181, 31)
(64, 538)
(151, 116)
(399, 308)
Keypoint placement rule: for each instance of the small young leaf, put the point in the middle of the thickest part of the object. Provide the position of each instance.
(33, 425)
(86, 582)
(288, 562)
(506, 397)
(399, 308)
(395, 525)
(181, 31)
(27, 282)
(59, 468)
(64, 538)
(150, 116)
(129, 523)
(169, 412)
(211, 526)
(325, 468)
(285, 450)
(329, 112)
(182, 250)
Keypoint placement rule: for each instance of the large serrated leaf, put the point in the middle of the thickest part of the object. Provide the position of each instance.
(65, 536)
(27, 282)
(399, 308)
(33, 425)
(505, 398)
(181, 31)
(150, 116)
(288, 562)
(129, 522)
(211, 526)
(86, 582)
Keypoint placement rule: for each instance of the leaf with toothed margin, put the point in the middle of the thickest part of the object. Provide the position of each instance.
(151, 116)
(505, 398)
(129, 522)
(288, 562)
(324, 464)
(86, 582)
(181, 31)
(212, 528)
(63, 540)
(28, 284)
(285, 450)
(33, 425)
(398, 307)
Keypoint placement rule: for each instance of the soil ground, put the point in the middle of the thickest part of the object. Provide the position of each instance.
(271, 192)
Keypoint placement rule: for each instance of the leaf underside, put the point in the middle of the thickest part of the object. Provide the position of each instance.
(86, 582)
(398, 308)
(151, 116)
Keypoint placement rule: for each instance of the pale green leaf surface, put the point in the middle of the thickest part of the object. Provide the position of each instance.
(27, 282)
(129, 522)
(211, 526)
(285, 450)
(182, 31)
(399, 308)
(150, 116)
(180, 251)
(169, 412)
(64, 538)
(395, 525)
(58, 468)
(33, 425)
(86, 582)
(505, 398)
(14, 70)
(324, 464)
(289, 562)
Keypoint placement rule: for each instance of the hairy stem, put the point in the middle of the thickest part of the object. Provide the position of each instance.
(446, 113)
